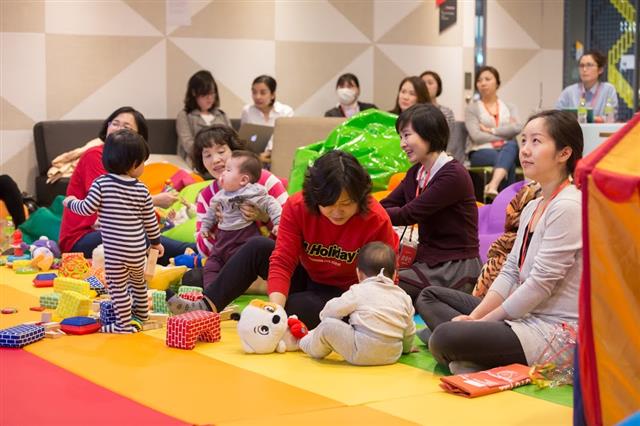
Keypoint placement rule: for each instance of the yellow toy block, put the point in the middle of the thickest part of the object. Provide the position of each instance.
(61, 284)
(72, 304)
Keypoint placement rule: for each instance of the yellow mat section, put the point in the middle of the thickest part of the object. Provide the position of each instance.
(219, 383)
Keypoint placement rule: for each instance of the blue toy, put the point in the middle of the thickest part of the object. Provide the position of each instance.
(96, 284)
(107, 313)
(21, 335)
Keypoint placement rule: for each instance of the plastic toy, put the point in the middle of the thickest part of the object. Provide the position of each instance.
(21, 335)
(44, 280)
(8, 311)
(165, 276)
(185, 329)
(264, 328)
(74, 265)
(45, 242)
(17, 244)
(190, 259)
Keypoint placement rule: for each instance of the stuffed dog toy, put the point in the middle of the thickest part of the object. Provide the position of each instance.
(264, 328)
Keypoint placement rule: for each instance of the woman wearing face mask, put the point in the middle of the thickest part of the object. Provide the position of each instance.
(411, 91)
(201, 109)
(595, 93)
(434, 86)
(265, 109)
(348, 90)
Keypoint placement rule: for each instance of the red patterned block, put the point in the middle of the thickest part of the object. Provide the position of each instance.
(194, 296)
(185, 329)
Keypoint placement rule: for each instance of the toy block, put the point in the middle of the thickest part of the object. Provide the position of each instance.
(54, 334)
(21, 263)
(79, 325)
(8, 311)
(37, 308)
(96, 285)
(151, 325)
(51, 326)
(107, 313)
(50, 300)
(225, 314)
(21, 335)
(152, 260)
(161, 318)
(44, 280)
(46, 317)
(74, 265)
(73, 304)
(160, 302)
(61, 284)
(185, 329)
(189, 289)
(193, 296)
(11, 259)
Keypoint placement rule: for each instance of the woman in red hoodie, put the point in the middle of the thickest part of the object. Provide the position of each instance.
(313, 260)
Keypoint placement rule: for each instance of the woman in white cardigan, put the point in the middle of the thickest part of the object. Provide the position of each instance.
(492, 125)
(537, 289)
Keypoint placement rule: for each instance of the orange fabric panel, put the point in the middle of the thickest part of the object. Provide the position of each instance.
(614, 236)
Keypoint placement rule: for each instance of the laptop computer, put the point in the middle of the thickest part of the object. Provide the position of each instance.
(255, 136)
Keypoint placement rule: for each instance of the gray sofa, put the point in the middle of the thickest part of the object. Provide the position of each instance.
(53, 138)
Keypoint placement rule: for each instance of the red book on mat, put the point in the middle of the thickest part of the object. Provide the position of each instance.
(486, 382)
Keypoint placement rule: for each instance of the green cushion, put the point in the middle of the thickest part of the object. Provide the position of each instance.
(42, 222)
(184, 232)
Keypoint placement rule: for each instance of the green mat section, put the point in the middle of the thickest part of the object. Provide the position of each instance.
(244, 300)
(562, 395)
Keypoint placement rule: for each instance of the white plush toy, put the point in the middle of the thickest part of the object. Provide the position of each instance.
(264, 328)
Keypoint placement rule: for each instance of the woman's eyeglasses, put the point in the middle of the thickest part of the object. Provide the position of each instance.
(118, 125)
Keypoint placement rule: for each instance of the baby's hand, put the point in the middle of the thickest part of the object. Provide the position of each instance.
(158, 247)
(68, 199)
(274, 230)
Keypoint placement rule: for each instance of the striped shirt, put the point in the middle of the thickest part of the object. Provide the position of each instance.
(272, 184)
(125, 212)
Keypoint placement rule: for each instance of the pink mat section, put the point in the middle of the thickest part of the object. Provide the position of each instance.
(36, 392)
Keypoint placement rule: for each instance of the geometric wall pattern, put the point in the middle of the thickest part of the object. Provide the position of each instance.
(74, 60)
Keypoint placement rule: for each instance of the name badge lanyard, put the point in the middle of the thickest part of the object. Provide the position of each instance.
(544, 204)
(593, 100)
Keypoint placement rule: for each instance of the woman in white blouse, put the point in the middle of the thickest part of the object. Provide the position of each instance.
(265, 108)
(492, 125)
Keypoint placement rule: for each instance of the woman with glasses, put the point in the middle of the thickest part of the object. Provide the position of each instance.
(201, 109)
(82, 233)
(595, 93)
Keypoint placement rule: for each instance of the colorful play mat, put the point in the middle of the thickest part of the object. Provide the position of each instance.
(137, 380)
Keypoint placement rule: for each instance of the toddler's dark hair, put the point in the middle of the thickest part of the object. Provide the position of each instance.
(250, 165)
(124, 150)
(375, 256)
